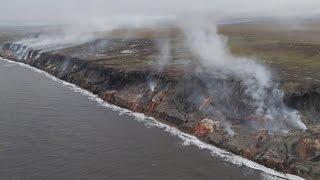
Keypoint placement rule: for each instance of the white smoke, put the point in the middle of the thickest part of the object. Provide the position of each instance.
(152, 85)
(55, 42)
(163, 59)
(164, 55)
(75, 34)
(211, 48)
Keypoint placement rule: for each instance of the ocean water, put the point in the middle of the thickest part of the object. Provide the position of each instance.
(50, 129)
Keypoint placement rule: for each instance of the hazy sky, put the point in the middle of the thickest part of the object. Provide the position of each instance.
(83, 10)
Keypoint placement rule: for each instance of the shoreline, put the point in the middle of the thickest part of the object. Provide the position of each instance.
(187, 138)
(212, 108)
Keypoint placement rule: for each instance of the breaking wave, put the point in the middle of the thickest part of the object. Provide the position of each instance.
(187, 139)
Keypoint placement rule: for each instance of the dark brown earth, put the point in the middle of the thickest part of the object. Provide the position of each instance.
(120, 70)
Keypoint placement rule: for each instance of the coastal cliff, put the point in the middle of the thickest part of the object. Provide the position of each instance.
(129, 75)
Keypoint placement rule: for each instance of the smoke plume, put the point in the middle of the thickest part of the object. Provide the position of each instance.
(266, 97)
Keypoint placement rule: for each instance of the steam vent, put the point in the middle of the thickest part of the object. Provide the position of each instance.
(252, 89)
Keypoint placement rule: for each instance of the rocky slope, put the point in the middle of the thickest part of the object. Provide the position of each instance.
(128, 74)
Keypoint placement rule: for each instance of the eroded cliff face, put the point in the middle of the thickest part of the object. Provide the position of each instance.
(304, 97)
(217, 112)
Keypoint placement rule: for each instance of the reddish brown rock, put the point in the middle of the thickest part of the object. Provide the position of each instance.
(272, 161)
(250, 153)
(7, 53)
(206, 127)
(304, 148)
(156, 101)
(261, 137)
(109, 95)
(133, 102)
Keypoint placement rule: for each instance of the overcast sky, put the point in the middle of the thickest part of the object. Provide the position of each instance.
(61, 11)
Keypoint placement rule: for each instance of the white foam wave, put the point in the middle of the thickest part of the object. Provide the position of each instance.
(187, 139)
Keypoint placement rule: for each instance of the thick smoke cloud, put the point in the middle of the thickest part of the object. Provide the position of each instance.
(212, 51)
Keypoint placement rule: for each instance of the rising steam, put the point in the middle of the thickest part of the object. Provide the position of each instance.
(165, 55)
(266, 97)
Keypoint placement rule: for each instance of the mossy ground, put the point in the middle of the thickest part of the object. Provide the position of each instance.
(292, 49)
